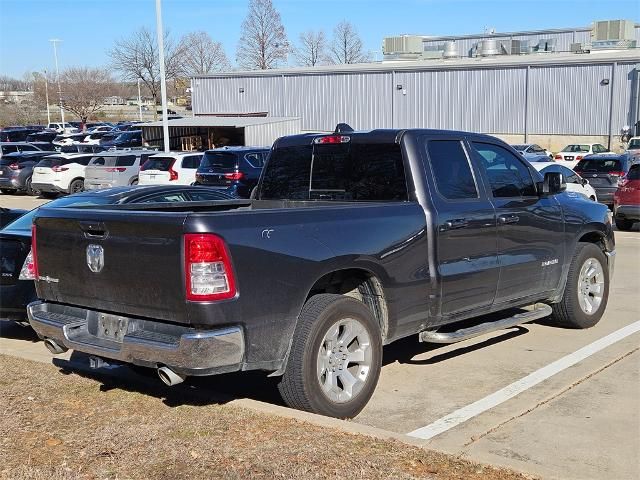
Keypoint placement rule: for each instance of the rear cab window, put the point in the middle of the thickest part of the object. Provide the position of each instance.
(356, 170)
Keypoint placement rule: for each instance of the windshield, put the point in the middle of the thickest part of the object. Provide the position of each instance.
(634, 144)
(219, 160)
(24, 222)
(576, 148)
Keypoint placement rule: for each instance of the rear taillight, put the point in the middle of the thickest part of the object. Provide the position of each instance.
(558, 157)
(58, 168)
(173, 175)
(234, 176)
(208, 272)
(579, 157)
(616, 174)
(116, 169)
(14, 166)
(29, 269)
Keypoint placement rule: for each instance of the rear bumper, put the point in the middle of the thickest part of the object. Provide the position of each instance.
(91, 185)
(10, 183)
(47, 187)
(605, 195)
(149, 343)
(628, 212)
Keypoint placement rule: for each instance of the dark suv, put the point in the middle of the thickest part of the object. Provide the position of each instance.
(234, 169)
(604, 171)
(130, 138)
(16, 170)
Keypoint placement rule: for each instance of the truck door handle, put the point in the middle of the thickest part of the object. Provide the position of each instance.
(454, 224)
(505, 219)
(94, 229)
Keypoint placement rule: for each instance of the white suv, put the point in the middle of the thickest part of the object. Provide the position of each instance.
(175, 168)
(115, 168)
(62, 128)
(60, 173)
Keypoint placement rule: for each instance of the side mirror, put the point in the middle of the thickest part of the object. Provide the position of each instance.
(553, 183)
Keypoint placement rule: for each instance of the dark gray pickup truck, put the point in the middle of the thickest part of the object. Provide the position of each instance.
(352, 240)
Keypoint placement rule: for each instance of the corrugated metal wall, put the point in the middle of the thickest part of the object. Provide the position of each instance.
(265, 134)
(569, 100)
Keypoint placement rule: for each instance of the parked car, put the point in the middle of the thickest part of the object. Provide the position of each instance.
(532, 150)
(626, 200)
(16, 290)
(68, 139)
(130, 138)
(100, 128)
(604, 172)
(11, 147)
(234, 169)
(45, 136)
(8, 215)
(570, 155)
(575, 183)
(16, 170)
(61, 173)
(352, 241)
(115, 168)
(178, 168)
(16, 134)
(61, 128)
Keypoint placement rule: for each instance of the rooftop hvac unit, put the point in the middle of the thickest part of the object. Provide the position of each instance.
(613, 30)
(450, 50)
(520, 47)
(488, 47)
(404, 44)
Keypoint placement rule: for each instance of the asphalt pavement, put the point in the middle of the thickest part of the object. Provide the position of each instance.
(548, 401)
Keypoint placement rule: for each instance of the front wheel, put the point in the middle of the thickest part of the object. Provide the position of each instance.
(587, 289)
(335, 359)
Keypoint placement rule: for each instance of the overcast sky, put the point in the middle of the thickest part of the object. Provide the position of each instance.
(88, 28)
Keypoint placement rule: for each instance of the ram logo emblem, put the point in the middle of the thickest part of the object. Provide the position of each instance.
(95, 258)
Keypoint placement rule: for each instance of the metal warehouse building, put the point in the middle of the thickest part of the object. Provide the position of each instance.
(548, 98)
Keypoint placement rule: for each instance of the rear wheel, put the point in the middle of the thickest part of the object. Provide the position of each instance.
(623, 224)
(28, 188)
(76, 186)
(335, 357)
(134, 182)
(587, 289)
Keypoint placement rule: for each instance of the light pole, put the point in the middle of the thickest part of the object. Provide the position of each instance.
(139, 101)
(163, 81)
(46, 96)
(55, 55)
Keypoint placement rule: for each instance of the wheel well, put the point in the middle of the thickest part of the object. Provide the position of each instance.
(361, 285)
(593, 237)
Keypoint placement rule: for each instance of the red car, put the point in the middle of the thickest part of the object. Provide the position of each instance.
(626, 200)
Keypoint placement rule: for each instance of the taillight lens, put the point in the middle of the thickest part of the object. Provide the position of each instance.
(29, 269)
(173, 175)
(58, 168)
(579, 157)
(616, 174)
(332, 139)
(208, 271)
(234, 176)
(14, 166)
(558, 157)
(116, 169)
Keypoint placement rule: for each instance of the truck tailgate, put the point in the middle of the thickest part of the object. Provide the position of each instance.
(142, 266)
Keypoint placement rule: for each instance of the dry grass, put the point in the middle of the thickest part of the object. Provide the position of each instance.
(55, 426)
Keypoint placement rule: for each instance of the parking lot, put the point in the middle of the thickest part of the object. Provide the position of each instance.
(552, 402)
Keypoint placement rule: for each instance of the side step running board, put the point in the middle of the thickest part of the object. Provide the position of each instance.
(433, 336)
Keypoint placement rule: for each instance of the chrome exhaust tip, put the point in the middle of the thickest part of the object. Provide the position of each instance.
(54, 347)
(169, 377)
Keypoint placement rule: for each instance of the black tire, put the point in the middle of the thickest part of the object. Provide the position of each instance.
(568, 312)
(29, 189)
(300, 386)
(134, 182)
(76, 186)
(7, 191)
(624, 225)
(48, 194)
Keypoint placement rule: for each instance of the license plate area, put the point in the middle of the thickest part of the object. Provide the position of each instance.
(112, 327)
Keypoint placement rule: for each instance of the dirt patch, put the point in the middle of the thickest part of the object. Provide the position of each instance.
(68, 426)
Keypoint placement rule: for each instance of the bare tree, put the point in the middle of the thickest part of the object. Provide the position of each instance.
(84, 90)
(346, 46)
(199, 53)
(311, 50)
(263, 43)
(136, 57)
